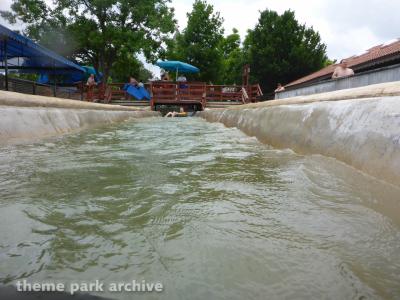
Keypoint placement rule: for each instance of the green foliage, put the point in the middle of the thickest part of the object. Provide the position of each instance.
(230, 43)
(233, 59)
(98, 32)
(28, 76)
(199, 42)
(232, 67)
(329, 62)
(129, 66)
(280, 49)
(109, 34)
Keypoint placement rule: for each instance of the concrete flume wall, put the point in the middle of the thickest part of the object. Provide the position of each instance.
(25, 117)
(386, 74)
(364, 133)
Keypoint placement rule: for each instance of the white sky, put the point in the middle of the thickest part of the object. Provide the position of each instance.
(346, 27)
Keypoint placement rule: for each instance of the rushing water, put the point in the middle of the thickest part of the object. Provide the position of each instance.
(205, 210)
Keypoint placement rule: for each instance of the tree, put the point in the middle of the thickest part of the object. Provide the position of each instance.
(233, 67)
(198, 43)
(129, 66)
(279, 49)
(233, 58)
(230, 43)
(329, 62)
(97, 32)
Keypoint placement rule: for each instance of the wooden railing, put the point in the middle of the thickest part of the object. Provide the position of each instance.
(235, 93)
(177, 93)
(221, 93)
(115, 91)
(95, 93)
(254, 91)
(192, 92)
(163, 92)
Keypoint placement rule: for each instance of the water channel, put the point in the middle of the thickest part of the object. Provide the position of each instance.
(206, 210)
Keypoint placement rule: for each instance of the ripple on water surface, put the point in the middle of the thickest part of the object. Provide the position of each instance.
(206, 210)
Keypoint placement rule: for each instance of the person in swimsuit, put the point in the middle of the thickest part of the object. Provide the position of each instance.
(342, 70)
(174, 114)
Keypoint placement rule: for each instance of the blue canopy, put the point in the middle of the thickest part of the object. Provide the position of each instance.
(33, 56)
(177, 66)
(71, 77)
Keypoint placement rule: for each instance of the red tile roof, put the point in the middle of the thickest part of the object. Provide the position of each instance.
(373, 54)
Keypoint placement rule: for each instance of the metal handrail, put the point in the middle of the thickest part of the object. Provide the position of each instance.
(35, 88)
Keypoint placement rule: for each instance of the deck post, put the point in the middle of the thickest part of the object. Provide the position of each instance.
(245, 79)
(151, 97)
(54, 78)
(81, 88)
(177, 96)
(5, 63)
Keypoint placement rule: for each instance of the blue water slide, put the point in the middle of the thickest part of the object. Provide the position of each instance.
(138, 93)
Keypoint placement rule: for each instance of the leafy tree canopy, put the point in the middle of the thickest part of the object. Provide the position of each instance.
(102, 33)
(230, 43)
(109, 34)
(199, 42)
(280, 49)
(233, 58)
(130, 66)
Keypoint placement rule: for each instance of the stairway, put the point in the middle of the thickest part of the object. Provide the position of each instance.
(222, 104)
(130, 102)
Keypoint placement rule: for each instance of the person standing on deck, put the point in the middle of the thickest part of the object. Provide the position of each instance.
(162, 73)
(181, 80)
(91, 83)
(342, 70)
(165, 77)
(279, 88)
(133, 82)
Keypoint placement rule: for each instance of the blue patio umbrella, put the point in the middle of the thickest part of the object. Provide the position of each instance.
(177, 66)
(90, 70)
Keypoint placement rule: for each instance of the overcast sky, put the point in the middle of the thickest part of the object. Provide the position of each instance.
(346, 27)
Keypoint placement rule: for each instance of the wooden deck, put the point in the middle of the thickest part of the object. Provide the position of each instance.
(192, 95)
(198, 96)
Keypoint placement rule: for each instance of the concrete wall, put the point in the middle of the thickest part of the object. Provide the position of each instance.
(26, 117)
(387, 74)
(25, 100)
(364, 133)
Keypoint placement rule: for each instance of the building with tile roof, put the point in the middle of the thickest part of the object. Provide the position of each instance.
(376, 57)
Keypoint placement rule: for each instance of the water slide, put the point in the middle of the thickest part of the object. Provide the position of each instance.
(358, 126)
(139, 93)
